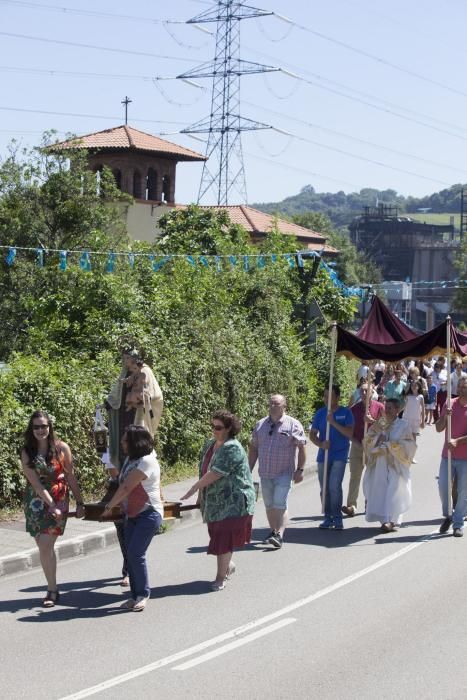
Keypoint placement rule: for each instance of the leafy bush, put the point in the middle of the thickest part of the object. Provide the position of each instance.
(214, 340)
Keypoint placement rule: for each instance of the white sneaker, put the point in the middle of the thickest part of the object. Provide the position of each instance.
(128, 604)
(231, 570)
(140, 603)
(218, 585)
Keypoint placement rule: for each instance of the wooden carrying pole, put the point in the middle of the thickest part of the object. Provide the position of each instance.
(328, 425)
(371, 368)
(448, 414)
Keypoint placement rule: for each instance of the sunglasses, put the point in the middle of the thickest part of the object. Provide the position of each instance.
(41, 426)
(218, 427)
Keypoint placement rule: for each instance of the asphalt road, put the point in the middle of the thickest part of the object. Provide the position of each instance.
(354, 613)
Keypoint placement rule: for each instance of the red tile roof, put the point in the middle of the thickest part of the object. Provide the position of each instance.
(258, 224)
(126, 137)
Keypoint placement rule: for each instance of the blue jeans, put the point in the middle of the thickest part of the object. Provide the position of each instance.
(139, 532)
(335, 477)
(458, 470)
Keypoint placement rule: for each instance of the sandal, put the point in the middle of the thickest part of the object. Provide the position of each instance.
(50, 599)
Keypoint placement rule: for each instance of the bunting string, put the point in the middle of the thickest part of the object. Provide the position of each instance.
(248, 262)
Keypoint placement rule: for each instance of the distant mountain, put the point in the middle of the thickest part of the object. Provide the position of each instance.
(341, 208)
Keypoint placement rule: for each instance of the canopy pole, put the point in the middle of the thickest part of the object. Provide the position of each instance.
(448, 412)
(371, 367)
(328, 425)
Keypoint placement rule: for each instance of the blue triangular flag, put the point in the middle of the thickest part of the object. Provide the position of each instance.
(10, 256)
(110, 267)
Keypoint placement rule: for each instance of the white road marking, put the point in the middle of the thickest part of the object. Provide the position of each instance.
(173, 658)
(233, 645)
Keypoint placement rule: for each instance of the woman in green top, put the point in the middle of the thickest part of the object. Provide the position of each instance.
(226, 493)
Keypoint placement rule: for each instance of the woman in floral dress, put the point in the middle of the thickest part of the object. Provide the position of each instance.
(227, 494)
(48, 466)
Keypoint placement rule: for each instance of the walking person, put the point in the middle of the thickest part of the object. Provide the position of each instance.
(278, 443)
(226, 494)
(430, 400)
(342, 424)
(140, 495)
(390, 448)
(135, 398)
(47, 463)
(457, 447)
(439, 378)
(414, 408)
(455, 376)
(356, 457)
(395, 388)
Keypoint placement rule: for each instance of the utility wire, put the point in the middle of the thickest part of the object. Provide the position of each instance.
(92, 13)
(86, 116)
(371, 56)
(363, 158)
(104, 76)
(93, 46)
(299, 72)
(311, 125)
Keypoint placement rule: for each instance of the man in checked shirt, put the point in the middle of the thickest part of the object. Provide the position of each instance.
(278, 443)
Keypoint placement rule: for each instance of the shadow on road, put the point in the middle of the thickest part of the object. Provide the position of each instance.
(188, 588)
(78, 599)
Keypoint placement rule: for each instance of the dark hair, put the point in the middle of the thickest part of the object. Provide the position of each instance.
(397, 403)
(139, 441)
(228, 420)
(30, 442)
(336, 390)
(420, 386)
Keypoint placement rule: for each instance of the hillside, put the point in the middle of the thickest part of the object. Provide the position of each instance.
(341, 208)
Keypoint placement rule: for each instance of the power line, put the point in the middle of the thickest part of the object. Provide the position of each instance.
(373, 57)
(300, 71)
(355, 138)
(52, 72)
(363, 158)
(86, 116)
(93, 46)
(381, 109)
(90, 13)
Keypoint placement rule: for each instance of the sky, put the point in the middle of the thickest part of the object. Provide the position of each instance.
(379, 101)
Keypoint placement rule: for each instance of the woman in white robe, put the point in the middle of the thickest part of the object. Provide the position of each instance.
(389, 448)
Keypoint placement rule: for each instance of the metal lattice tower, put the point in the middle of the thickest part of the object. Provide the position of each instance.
(224, 172)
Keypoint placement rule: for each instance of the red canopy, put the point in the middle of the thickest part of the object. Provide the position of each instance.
(383, 326)
(385, 337)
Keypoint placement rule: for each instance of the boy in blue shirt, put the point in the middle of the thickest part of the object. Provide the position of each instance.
(341, 430)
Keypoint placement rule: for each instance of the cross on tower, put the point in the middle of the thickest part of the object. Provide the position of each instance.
(126, 102)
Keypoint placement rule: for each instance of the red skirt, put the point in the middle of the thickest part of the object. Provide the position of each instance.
(230, 533)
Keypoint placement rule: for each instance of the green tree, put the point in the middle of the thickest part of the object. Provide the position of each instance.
(50, 202)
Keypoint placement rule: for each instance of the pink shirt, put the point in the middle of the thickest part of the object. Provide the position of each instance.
(458, 429)
(277, 445)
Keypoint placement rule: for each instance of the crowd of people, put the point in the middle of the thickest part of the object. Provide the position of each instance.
(379, 430)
